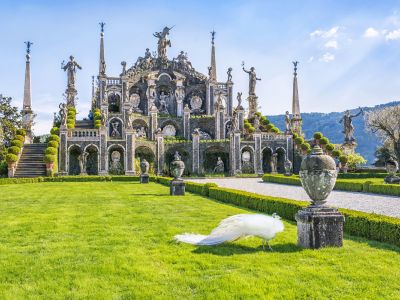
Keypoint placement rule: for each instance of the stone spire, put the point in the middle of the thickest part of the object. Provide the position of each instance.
(27, 113)
(102, 62)
(296, 117)
(213, 67)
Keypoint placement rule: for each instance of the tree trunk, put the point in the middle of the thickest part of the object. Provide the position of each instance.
(397, 149)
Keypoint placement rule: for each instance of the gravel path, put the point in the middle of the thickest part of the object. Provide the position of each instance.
(371, 203)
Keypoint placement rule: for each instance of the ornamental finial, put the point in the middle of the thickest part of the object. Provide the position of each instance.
(102, 26)
(28, 46)
(295, 63)
(212, 36)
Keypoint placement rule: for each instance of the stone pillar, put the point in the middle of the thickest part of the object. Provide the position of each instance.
(11, 170)
(153, 122)
(196, 152)
(103, 155)
(219, 122)
(208, 105)
(150, 93)
(240, 116)
(229, 111)
(63, 152)
(130, 152)
(235, 153)
(179, 95)
(186, 122)
(257, 153)
(211, 99)
(159, 136)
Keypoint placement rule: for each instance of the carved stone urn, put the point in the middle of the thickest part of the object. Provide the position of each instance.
(318, 225)
(177, 166)
(392, 167)
(318, 175)
(144, 166)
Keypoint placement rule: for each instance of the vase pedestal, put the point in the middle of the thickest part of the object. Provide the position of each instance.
(177, 187)
(319, 227)
(144, 178)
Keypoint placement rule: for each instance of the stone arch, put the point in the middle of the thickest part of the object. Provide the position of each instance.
(146, 153)
(73, 163)
(247, 159)
(118, 133)
(114, 102)
(267, 160)
(211, 155)
(116, 162)
(281, 159)
(92, 161)
(141, 127)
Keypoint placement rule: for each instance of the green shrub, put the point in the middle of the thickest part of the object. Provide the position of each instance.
(19, 138)
(49, 158)
(97, 124)
(299, 140)
(318, 135)
(55, 138)
(21, 131)
(51, 151)
(14, 150)
(16, 143)
(55, 130)
(251, 129)
(11, 158)
(70, 125)
(295, 135)
(206, 188)
(324, 141)
(305, 146)
(336, 153)
(53, 144)
(343, 159)
(275, 129)
(330, 147)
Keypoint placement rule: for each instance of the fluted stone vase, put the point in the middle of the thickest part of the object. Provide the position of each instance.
(177, 186)
(144, 171)
(318, 225)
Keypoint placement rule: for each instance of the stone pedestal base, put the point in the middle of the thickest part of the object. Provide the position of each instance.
(144, 178)
(392, 179)
(319, 226)
(177, 187)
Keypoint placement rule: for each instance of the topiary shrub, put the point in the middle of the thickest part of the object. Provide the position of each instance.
(97, 124)
(70, 125)
(19, 137)
(330, 147)
(54, 137)
(269, 126)
(275, 129)
(343, 159)
(14, 150)
(295, 135)
(305, 146)
(324, 141)
(49, 158)
(251, 129)
(53, 144)
(51, 150)
(11, 158)
(21, 131)
(16, 143)
(336, 153)
(318, 135)
(299, 140)
(55, 130)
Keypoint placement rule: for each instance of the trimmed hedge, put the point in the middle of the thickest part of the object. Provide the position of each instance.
(21, 131)
(16, 143)
(51, 151)
(55, 130)
(52, 144)
(14, 150)
(344, 185)
(11, 158)
(19, 137)
(55, 138)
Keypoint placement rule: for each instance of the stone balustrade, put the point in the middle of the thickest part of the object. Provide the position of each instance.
(78, 134)
(113, 81)
(272, 136)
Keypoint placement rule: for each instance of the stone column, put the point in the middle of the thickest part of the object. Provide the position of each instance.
(150, 93)
(208, 105)
(219, 123)
(159, 151)
(179, 95)
(240, 115)
(186, 122)
(63, 152)
(130, 152)
(257, 153)
(211, 99)
(196, 152)
(235, 153)
(153, 122)
(103, 155)
(229, 111)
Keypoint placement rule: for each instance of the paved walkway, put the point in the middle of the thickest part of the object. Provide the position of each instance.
(371, 203)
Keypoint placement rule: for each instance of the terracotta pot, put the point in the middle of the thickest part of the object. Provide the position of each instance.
(49, 166)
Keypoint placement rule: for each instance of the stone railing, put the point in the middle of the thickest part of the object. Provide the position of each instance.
(113, 81)
(272, 136)
(77, 134)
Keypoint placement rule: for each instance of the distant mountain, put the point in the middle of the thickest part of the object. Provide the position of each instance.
(328, 124)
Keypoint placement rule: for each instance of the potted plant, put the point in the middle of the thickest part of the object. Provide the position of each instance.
(49, 159)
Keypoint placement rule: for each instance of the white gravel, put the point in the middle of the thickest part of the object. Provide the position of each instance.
(371, 203)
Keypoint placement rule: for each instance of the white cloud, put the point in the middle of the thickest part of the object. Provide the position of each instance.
(327, 57)
(326, 34)
(310, 59)
(393, 35)
(371, 32)
(331, 44)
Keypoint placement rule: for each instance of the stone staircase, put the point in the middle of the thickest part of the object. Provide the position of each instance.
(31, 162)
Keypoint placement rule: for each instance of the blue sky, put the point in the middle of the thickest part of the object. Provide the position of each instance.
(348, 50)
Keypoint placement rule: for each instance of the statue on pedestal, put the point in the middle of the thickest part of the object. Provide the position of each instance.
(287, 122)
(71, 67)
(220, 167)
(239, 99)
(252, 79)
(229, 72)
(274, 163)
(115, 132)
(63, 113)
(348, 128)
(163, 42)
(82, 159)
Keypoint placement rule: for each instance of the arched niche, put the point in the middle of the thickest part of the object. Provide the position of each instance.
(267, 160)
(92, 161)
(211, 156)
(114, 102)
(247, 160)
(73, 163)
(115, 127)
(116, 161)
(281, 160)
(143, 152)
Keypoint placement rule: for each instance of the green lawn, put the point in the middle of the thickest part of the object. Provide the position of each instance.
(114, 240)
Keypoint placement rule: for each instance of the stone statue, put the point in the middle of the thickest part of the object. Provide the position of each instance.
(256, 122)
(287, 122)
(219, 168)
(115, 132)
(71, 67)
(229, 72)
(274, 163)
(103, 118)
(123, 64)
(141, 132)
(183, 61)
(82, 159)
(252, 79)
(288, 167)
(63, 113)
(163, 103)
(239, 98)
(115, 165)
(209, 71)
(392, 167)
(144, 166)
(235, 121)
(348, 128)
(163, 42)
